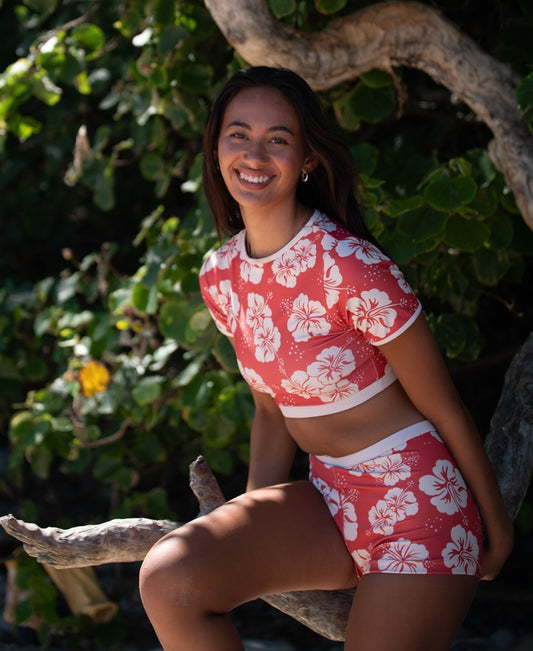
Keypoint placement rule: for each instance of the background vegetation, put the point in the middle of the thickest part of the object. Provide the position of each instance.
(112, 376)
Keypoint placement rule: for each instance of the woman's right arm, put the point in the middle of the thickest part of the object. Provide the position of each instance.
(272, 448)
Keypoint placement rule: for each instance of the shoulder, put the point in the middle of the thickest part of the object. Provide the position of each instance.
(220, 259)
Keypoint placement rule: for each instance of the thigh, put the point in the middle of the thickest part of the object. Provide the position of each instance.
(408, 612)
(274, 539)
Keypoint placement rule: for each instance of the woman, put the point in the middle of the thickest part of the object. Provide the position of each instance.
(341, 363)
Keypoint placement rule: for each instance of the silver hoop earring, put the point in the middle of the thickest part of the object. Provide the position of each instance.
(304, 176)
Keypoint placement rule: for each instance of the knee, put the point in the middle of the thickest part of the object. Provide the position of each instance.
(170, 575)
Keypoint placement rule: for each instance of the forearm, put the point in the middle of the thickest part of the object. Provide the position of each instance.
(272, 451)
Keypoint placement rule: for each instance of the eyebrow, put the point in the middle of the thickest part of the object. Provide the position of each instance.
(243, 125)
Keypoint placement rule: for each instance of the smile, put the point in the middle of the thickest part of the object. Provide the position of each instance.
(254, 179)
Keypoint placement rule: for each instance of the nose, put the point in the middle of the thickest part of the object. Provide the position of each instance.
(255, 152)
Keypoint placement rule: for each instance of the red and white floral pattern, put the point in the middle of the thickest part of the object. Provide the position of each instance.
(426, 523)
(307, 319)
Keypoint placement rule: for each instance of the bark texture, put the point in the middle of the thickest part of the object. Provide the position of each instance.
(386, 35)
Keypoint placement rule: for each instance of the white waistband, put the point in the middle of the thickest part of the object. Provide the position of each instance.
(380, 447)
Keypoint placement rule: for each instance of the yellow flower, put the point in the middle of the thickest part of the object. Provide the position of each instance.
(94, 377)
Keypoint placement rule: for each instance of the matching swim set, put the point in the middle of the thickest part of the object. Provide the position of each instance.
(306, 322)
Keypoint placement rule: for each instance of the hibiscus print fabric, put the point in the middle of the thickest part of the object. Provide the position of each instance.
(403, 506)
(306, 320)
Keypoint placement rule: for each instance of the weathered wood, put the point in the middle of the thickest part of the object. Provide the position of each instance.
(509, 443)
(386, 35)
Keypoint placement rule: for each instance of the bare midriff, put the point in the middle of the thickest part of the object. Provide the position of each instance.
(354, 429)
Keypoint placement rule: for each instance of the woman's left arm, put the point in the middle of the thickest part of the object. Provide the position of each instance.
(422, 372)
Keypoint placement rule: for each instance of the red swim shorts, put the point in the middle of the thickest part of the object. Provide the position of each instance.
(402, 505)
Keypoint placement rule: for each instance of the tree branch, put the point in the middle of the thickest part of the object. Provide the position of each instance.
(386, 35)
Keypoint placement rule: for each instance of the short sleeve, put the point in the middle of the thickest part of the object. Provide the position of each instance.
(377, 300)
(217, 296)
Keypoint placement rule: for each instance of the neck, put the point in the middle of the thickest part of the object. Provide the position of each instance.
(269, 233)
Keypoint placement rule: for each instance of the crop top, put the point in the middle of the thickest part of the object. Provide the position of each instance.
(306, 320)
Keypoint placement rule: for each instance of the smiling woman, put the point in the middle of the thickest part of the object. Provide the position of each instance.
(261, 156)
(341, 363)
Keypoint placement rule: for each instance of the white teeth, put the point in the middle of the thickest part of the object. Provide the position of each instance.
(254, 179)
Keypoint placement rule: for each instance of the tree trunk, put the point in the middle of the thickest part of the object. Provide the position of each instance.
(386, 35)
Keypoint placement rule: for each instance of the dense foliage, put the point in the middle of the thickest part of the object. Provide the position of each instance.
(111, 371)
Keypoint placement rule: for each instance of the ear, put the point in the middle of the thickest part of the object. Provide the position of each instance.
(310, 163)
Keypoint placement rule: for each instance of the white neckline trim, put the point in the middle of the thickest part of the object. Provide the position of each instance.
(269, 258)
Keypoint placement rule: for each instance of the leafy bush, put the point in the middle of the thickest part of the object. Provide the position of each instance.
(110, 366)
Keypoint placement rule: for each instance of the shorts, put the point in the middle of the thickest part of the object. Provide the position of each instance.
(402, 505)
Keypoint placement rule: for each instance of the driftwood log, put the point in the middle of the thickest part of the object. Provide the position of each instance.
(509, 445)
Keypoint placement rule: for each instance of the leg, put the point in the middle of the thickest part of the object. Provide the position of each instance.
(271, 540)
(408, 612)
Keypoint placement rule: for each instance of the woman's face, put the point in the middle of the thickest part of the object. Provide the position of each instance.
(261, 150)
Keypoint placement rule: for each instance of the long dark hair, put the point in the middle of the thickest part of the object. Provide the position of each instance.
(332, 185)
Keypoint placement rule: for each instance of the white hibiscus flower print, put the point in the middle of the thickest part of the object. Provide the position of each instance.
(251, 273)
(349, 520)
(447, 487)
(389, 470)
(257, 310)
(462, 554)
(332, 280)
(361, 249)
(307, 319)
(397, 505)
(404, 285)
(254, 379)
(228, 302)
(372, 312)
(267, 341)
(286, 269)
(338, 391)
(331, 495)
(301, 384)
(332, 364)
(305, 254)
(404, 557)
(382, 518)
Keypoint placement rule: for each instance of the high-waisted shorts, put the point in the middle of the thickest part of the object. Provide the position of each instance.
(402, 505)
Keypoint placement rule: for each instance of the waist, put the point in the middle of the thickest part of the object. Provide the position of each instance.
(380, 447)
(354, 429)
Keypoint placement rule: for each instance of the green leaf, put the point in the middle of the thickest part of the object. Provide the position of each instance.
(371, 104)
(501, 233)
(524, 93)
(397, 207)
(194, 77)
(148, 390)
(282, 8)
(465, 234)
(173, 320)
(164, 11)
(449, 194)
(366, 157)
(152, 165)
(400, 247)
(225, 355)
(170, 36)
(89, 36)
(457, 335)
(490, 266)
(423, 223)
(377, 79)
(330, 6)
(104, 189)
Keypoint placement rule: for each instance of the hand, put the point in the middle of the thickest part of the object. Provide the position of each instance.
(500, 545)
